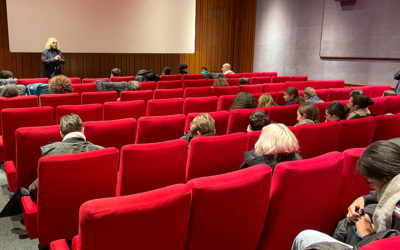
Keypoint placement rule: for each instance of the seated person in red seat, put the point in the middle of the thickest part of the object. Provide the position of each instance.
(243, 100)
(291, 96)
(276, 144)
(380, 165)
(358, 107)
(115, 72)
(258, 119)
(10, 90)
(220, 82)
(335, 112)
(310, 96)
(307, 114)
(74, 141)
(266, 100)
(60, 85)
(201, 125)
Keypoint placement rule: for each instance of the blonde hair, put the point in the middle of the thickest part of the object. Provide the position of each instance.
(266, 100)
(132, 86)
(220, 82)
(276, 138)
(50, 41)
(203, 124)
(310, 92)
(310, 110)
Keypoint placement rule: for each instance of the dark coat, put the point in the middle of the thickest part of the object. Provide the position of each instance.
(251, 159)
(51, 66)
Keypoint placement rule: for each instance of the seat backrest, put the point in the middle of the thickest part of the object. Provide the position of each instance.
(87, 87)
(92, 80)
(392, 104)
(252, 138)
(12, 119)
(268, 73)
(198, 92)
(375, 90)
(26, 82)
(238, 75)
(177, 84)
(18, 102)
(274, 87)
(278, 79)
(220, 118)
(239, 120)
(313, 181)
(300, 85)
(87, 112)
(65, 183)
(158, 107)
(122, 78)
(137, 220)
(233, 81)
(283, 114)
(388, 243)
(298, 78)
(99, 97)
(278, 97)
(323, 94)
(171, 77)
(225, 102)
(384, 127)
(230, 90)
(256, 88)
(239, 207)
(260, 80)
(55, 100)
(379, 106)
(160, 128)
(168, 93)
(148, 85)
(136, 95)
(120, 110)
(195, 83)
(356, 133)
(200, 104)
(326, 84)
(149, 166)
(317, 139)
(211, 155)
(322, 107)
(75, 79)
(192, 77)
(28, 141)
(339, 94)
(114, 133)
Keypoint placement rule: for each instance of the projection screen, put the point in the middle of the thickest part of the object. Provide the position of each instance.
(103, 26)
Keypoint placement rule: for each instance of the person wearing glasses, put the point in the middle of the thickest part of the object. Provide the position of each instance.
(52, 59)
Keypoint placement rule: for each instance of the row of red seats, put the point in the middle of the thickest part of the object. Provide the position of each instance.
(200, 76)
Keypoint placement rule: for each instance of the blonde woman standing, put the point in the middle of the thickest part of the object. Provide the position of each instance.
(52, 59)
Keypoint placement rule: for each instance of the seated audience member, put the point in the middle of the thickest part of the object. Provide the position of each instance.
(266, 100)
(243, 100)
(358, 107)
(335, 112)
(7, 77)
(183, 69)
(220, 82)
(204, 71)
(380, 166)
(307, 114)
(73, 141)
(60, 85)
(10, 90)
(244, 81)
(356, 92)
(389, 93)
(166, 71)
(310, 96)
(226, 69)
(146, 76)
(276, 144)
(258, 119)
(291, 96)
(115, 72)
(132, 86)
(201, 125)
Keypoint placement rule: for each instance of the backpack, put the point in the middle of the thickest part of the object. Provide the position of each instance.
(37, 89)
(147, 76)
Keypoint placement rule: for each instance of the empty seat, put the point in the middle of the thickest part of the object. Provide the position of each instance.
(87, 112)
(148, 85)
(326, 84)
(65, 183)
(283, 114)
(55, 100)
(384, 127)
(160, 128)
(220, 118)
(197, 92)
(268, 73)
(177, 84)
(192, 76)
(252, 138)
(120, 110)
(75, 80)
(239, 120)
(274, 87)
(28, 81)
(260, 80)
(87, 87)
(239, 207)
(379, 106)
(323, 94)
(257, 88)
(300, 85)
(339, 94)
(99, 97)
(277, 79)
(225, 102)
(230, 90)
(168, 93)
(92, 80)
(114, 133)
(364, 129)
(212, 155)
(253, 74)
(171, 77)
(122, 78)
(200, 104)
(393, 104)
(195, 83)
(136, 95)
(388, 243)
(238, 75)
(298, 78)
(150, 166)
(375, 90)
(158, 107)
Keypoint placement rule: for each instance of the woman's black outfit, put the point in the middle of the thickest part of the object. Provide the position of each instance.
(51, 66)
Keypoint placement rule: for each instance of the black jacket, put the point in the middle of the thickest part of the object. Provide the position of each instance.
(51, 66)
(251, 159)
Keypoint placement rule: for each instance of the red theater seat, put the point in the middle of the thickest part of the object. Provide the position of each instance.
(55, 100)
(99, 97)
(18, 102)
(122, 78)
(283, 114)
(230, 90)
(375, 90)
(260, 80)
(326, 84)
(252, 138)
(192, 76)
(198, 92)
(148, 85)
(145, 167)
(87, 87)
(27, 81)
(171, 77)
(339, 94)
(239, 120)
(160, 128)
(277, 79)
(195, 83)
(274, 87)
(257, 88)
(92, 80)
(238, 75)
(384, 127)
(168, 93)
(158, 107)
(220, 118)
(239, 207)
(323, 94)
(314, 181)
(177, 84)
(136, 95)
(225, 102)
(393, 104)
(114, 133)
(300, 85)
(268, 73)
(298, 78)
(200, 104)
(389, 243)
(364, 129)
(75, 80)
(379, 106)
(212, 155)
(120, 110)
(87, 112)
(322, 107)
(233, 81)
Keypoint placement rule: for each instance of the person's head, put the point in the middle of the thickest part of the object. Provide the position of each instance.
(309, 92)
(308, 111)
(166, 71)
(226, 67)
(276, 138)
(51, 43)
(335, 112)
(356, 92)
(379, 163)
(133, 86)
(115, 72)
(266, 100)
(291, 95)
(183, 68)
(60, 85)
(10, 90)
(220, 82)
(70, 123)
(389, 93)
(6, 74)
(201, 125)
(243, 100)
(258, 119)
(244, 81)
(359, 102)
(204, 69)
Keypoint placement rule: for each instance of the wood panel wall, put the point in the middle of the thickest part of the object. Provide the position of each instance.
(225, 32)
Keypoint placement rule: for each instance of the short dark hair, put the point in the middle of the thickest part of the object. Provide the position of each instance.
(6, 74)
(362, 101)
(258, 119)
(379, 160)
(167, 71)
(116, 72)
(182, 66)
(243, 100)
(356, 92)
(337, 109)
(244, 81)
(10, 90)
(70, 123)
(204, 68)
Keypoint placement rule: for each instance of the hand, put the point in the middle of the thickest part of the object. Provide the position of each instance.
(355, 210)
(58, 58)
(365, 226)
